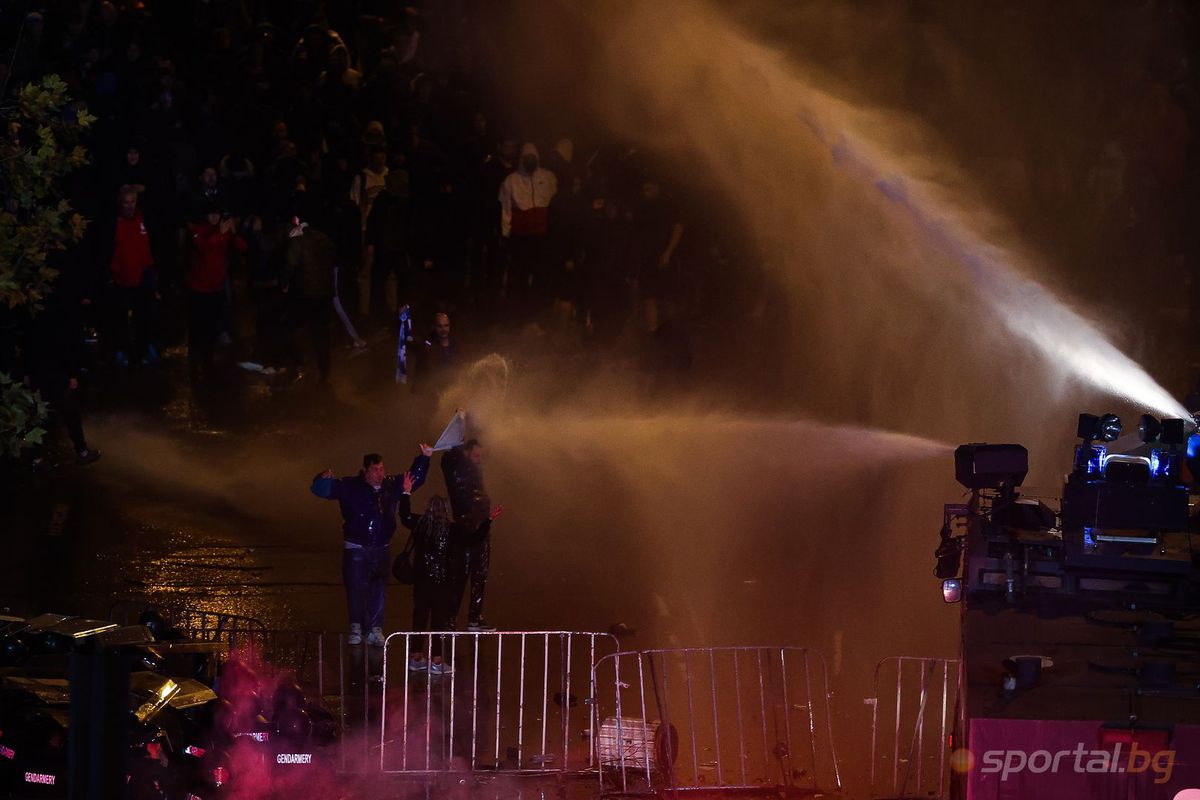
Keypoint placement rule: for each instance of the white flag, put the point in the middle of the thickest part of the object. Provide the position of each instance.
(455, 432)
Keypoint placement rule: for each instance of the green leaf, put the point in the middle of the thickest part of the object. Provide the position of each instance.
(38, 149)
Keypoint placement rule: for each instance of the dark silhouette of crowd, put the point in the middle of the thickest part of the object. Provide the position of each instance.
(270, 181)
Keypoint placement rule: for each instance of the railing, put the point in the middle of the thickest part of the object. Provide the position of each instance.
(909, 733)
(525, 691)
(561, 703)
(730, 718)
(233, 630)
(515, 702)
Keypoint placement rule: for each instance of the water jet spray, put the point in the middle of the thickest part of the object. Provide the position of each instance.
(1028, 309)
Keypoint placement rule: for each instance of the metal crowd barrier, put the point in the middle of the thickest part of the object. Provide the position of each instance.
(558, 702)
(732, 718)
(515, 702)
(233, 630)
(909, 733)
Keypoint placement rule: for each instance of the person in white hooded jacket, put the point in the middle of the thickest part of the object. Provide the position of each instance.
(525, 197)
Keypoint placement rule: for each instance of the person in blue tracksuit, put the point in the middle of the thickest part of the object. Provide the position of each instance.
(368, 502)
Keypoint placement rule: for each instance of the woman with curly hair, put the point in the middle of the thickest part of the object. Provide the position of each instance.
(438, 545)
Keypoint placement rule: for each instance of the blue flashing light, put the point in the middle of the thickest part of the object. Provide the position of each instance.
(1089, 537)
(1193, 445)
(1095, 463)
(1164, 465)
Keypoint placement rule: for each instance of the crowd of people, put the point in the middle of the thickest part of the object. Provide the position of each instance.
(271, 183)
(255, 156)
(269, 180)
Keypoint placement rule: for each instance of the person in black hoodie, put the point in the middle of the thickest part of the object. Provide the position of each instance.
(469, 501)
(307, 281)
(439, 546)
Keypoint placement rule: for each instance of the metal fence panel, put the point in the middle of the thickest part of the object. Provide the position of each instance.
(518, 702)
(912, 714)
(515, 702)
(233, 630)
(715, 718)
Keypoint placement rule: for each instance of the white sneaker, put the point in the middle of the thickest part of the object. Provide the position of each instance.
(355, 637)
(440, 668)
(376, 638)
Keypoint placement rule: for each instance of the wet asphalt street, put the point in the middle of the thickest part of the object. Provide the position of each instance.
(152, 521)
(201, 498)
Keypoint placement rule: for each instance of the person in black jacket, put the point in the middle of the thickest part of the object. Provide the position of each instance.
(307, 281)
(368, 503)
(439, 545)
(462, 467)
(438, 356)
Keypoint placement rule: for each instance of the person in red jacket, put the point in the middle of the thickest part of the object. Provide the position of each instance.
(134, 282)
(211, 243)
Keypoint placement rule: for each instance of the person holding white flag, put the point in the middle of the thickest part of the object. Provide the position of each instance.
(469, 501)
